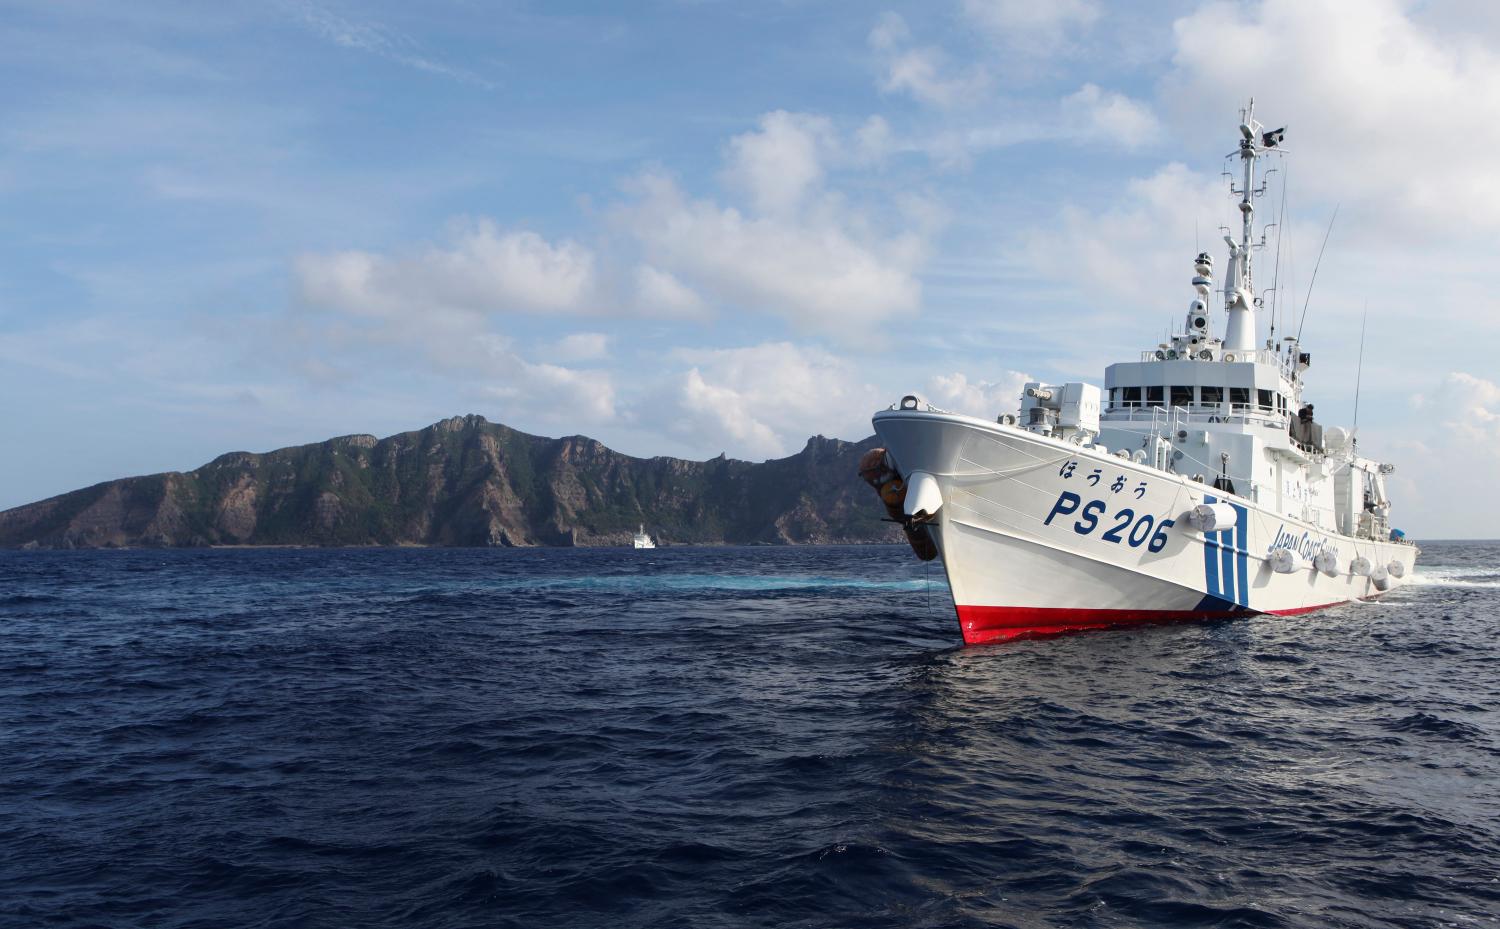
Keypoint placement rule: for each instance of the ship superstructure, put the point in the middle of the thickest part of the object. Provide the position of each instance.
(1197, 483)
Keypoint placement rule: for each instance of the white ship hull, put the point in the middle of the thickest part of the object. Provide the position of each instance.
(1039, 536)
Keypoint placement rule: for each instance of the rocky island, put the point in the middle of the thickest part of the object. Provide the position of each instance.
(465, 482)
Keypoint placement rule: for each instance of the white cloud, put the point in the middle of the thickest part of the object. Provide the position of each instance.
(1469, 407)
(378, 40)
(922, 72)
(763, 401)
(1446, 460)
(1382, 114)
(562, 395)
(1139, 250)
(781, 163)
(1093, 113)
(980, 398)
(1029, 26)
(889, 33)
(872, 141)
(823, 271)
(659, 293)
(482, 271)
(580, 346)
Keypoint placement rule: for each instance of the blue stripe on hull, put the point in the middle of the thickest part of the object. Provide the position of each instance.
(1226, 565)
(1226, 559)
(1211, 562)
(1242, 552)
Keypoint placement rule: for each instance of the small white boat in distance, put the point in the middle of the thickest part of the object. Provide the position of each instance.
(642, 540)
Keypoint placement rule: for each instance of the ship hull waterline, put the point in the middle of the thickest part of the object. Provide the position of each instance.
(1040, 537)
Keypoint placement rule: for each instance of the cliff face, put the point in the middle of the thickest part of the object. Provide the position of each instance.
(465, 481)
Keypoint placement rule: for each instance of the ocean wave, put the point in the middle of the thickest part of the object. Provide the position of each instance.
(1483, 577)
(767, 737)
(727, 582)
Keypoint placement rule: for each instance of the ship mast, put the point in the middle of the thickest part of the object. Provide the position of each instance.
(1239, 299)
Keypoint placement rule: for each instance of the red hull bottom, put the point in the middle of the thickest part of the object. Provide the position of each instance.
(984, 624)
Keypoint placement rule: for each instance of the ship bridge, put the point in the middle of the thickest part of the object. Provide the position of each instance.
(1220, 414)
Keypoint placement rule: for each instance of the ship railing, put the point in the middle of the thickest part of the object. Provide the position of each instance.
(1181, 416)
(1287, 365)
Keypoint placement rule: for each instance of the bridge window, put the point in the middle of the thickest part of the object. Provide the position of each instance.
(1130, 396)
(1155, 396)
(1239, 397)
(1264, 396)
(1182, 396)
(1212, 396)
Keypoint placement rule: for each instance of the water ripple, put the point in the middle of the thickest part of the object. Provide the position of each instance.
(723, 738)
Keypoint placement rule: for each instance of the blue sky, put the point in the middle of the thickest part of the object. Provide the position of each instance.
(693, 227)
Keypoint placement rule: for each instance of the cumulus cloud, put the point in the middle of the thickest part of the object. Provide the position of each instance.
(922, 72)
(1136, 250)
(763, 401)
(786, 243)
(553, 393)
(1447, 459)
(580, 346)
(982, 398)
(1093, 113)
(1029, 26)
(1373, 103)
(483, 270)
(1469, 408)
(658, 292)
(824, 270)
(434, 309)
(779, 164)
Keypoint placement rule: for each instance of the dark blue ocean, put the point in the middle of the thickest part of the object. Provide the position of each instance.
(723, 737)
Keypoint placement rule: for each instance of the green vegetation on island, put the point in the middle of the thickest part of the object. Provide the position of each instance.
(465, 482)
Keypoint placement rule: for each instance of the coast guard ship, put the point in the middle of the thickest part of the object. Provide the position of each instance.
(1196, 484)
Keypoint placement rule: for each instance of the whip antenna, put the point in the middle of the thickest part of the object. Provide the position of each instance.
(1276, 274)
(1314, 279)
(1360, 370)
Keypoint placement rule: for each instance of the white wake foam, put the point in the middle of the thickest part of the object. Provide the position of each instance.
(1485, 577)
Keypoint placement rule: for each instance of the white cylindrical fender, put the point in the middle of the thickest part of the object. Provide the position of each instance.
(1360, 567)
(923, 496)
(1396, 568)
(1326, 562)
(1285, 561)
(1212, 517)
(1379, 577)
